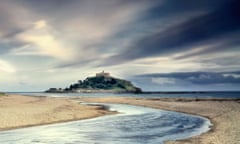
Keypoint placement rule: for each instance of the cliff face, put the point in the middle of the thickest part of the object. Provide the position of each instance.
(101, 84)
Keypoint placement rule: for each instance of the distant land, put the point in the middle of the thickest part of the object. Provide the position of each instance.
(101, 83)
(2, 94)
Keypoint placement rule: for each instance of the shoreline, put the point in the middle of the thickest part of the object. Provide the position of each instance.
(224, 114)
(18, 111)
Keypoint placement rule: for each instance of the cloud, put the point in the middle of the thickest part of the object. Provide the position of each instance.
(68, 38)
(40, 40)
(71, 31)
(6, 67)
(199, 78)
(163, 81)
(219, 27)
(40, 24)
(217, 46)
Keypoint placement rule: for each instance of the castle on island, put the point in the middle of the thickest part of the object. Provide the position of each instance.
(104, 74)
(103, 82)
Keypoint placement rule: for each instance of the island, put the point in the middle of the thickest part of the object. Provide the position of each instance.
(103, 82)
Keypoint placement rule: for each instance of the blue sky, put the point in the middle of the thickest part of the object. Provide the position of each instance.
(159, 45)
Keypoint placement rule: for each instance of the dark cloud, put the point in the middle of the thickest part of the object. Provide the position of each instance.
(12, 19)
(69, 9)
(175, 7)
(200, 78)
(46, 5)
(13, 32)
(13, 22)
(209, 28)
(230, 43)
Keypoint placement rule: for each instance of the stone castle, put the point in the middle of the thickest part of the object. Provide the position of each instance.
(104, 74)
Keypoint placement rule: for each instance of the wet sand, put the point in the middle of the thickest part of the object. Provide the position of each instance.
(224, 115)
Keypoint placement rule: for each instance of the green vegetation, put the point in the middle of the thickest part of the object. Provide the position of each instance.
(100, 84)
(104, 83)
(2, 94)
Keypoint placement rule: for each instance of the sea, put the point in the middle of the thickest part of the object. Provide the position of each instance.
(211, 94)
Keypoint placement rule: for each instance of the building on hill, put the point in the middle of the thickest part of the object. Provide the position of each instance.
(103, 82)
(104, 74)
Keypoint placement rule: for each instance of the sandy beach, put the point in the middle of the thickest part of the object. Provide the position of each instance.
(22, 111)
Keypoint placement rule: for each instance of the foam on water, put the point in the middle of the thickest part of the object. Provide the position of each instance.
(134, 125)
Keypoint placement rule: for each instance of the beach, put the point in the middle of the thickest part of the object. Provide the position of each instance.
(23, 111)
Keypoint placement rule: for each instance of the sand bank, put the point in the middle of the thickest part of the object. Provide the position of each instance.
(224, 114)
(23, 111)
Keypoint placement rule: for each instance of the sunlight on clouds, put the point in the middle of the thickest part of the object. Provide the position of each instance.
(41, 41)
(40, 24)
(46, 45)
(6, 67)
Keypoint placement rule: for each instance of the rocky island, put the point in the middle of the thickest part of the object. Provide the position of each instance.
(103, 82)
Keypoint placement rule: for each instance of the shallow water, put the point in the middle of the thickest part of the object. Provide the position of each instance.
(154, 95)
(134, 125)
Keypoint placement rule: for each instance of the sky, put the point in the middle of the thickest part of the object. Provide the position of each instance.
(160, 45)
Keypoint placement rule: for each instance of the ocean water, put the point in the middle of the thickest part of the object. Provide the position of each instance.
(133, 125)
(155, 95)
